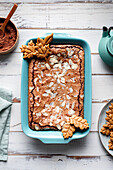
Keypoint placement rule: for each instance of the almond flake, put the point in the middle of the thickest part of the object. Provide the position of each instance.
(53, 95)
(74, 66)
(75, 56)
(44, 94)
(57, 121)
(47, 91)
(68, 97)
(58, 81)
(63, 104)
(52, 117)
(41, 73)
(53, 60)
(51, 124)
(57, 66)
(37, 104)
(62, 80)
(70, 89)
(51, 84)
(47, 105)
(71, 112)
(31, 88)
(59, 127)
(73, 104)
(70, 52)
(35, 80)
(57, 109)
(39, 76)
(36, 127)
(45, 114)
(48, 75)
(67, 105)
(58, 54)
(52, 103)
(38, 114)
(66, 66)
(37, 88)
(47, 65)
(62, 123)
(40, 81)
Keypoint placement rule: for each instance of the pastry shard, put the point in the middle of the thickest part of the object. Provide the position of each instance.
(68, 130)
(79, 122)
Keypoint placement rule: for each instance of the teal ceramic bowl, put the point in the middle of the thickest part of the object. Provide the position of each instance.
(51, 136)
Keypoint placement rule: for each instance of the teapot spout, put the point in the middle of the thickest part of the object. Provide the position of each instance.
(105, 32)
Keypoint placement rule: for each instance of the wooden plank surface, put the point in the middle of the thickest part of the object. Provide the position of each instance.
(81, 20)
(90, 145)
(61, 15)
(58, 1)
(48, 162)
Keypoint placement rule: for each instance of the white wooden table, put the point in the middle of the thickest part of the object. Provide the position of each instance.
(82, 20)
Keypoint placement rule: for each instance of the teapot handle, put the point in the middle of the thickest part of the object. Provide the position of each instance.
(110, 28)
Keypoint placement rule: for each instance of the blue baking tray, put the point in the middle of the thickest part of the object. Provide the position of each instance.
(51, 136)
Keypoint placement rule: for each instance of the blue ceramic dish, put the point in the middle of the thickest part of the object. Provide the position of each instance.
(56, 136)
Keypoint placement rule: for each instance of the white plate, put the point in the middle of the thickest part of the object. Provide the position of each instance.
(103, 138)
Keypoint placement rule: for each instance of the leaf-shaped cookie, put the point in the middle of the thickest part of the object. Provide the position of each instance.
(28, 51)
(68, 130)
(79, 122)
(46, 41)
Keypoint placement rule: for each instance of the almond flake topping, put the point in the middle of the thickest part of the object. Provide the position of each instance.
(48, 66)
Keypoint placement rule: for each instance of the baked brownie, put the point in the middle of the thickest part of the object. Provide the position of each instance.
(56, 87)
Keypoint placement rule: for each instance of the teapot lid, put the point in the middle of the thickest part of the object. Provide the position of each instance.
(110, 43)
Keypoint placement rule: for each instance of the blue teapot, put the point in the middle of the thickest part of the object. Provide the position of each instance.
(106, 46)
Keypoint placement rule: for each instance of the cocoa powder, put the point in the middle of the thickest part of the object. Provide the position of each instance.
(7, 40)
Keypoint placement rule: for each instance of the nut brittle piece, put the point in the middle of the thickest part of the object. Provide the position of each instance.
(79, 122)
(68, 130)
(110, 145)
